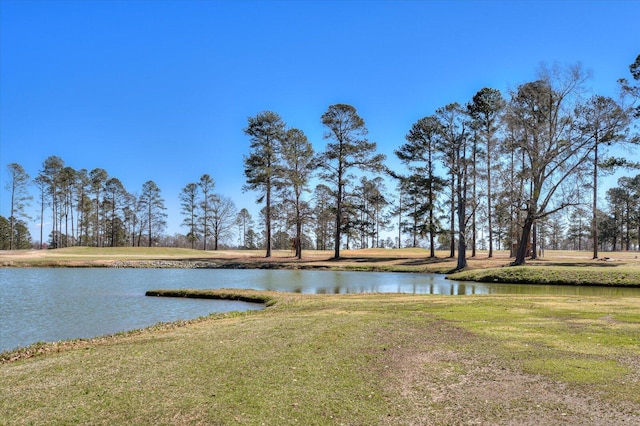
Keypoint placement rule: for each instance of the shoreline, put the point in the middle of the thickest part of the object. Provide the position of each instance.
(530, 274)
(619, 269)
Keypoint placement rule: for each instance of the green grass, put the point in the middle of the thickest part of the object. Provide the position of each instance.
(578, 370)
(557, 275)
(346, 359)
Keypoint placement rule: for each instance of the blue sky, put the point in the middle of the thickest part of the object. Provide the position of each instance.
(161, 90)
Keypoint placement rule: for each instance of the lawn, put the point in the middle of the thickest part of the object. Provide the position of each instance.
(348, 359)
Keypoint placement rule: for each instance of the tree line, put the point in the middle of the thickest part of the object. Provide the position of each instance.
(87, 208)
(504, 166)
(495, 172)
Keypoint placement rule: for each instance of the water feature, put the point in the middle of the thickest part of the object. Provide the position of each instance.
(49, 304)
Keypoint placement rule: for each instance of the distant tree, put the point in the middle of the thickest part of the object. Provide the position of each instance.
(67, 185)
(22, 236)
(5, 233)
(362, 220)
(349, 220)
(601, 122)
(388, 243)
(189, 204)
(539, 112)
(324, 215)
(253, 239)
(608, 229)
(555, 230)
(153, 204)
(84, 205)
(348, 149)
(475, 175)
(115, 198)
(137, 220)
(98, 179)
(378, 204)
(578, 230)
(244, 223)
(370, 202)
(453, 145)
(631, 187)
(41, 183)
(619, 200)
(281, 240)
(206, 186)
(398, 210)
(420, 218)
(281, 223)
(503, 218)
(448, 118)
(297, 165)
(50, 175)
(17, 185)
(485, 109)
(419, 154)
(132, 214)
(223, 214)
(265, 130)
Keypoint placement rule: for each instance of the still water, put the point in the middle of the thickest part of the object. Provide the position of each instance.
(49, 304)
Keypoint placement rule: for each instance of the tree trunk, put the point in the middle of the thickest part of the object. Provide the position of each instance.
(336, 254)
(299, 239)
(268, 219)
(462, 213)
(489, 216)
(41, 219)
(452, 251)
(432, 227)
(415, 226)
(534, 241)
(475, 202)
(628, 227)
(462, 240)
(521, 254)
(400, 222)
(594, 222)
(149, 229)
(12, 219)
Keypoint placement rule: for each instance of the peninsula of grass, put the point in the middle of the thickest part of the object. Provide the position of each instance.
(245, 296)
(360, 359)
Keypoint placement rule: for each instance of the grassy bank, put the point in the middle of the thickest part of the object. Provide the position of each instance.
(620, 276)
(350, 359)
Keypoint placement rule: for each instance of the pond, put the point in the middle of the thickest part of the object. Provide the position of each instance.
(50, 304)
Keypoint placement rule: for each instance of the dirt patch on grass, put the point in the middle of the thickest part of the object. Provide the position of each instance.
(455, 379)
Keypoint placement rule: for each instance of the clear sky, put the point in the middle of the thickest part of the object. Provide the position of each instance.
(161, 90)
